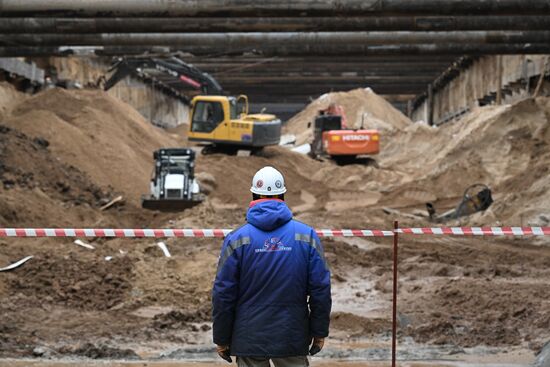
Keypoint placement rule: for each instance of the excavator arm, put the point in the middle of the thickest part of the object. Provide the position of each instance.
(165, 74)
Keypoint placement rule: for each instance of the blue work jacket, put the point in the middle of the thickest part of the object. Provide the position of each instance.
(272, 289)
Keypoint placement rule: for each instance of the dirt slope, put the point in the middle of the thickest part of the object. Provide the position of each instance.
(505, 147)
(9, 97)
(96, 133)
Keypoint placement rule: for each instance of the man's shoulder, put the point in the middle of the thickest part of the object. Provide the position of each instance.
(239, 231)
(302, 227)
(248, 229)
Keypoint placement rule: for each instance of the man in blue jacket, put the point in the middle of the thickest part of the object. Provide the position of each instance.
(271, 297)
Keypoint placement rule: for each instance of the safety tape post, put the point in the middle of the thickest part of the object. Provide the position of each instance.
(394, 296)
(216, 232)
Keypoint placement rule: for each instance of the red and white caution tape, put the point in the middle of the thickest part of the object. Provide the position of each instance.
(353, 233)
(164, 233)
(111, 232)
(479, 231)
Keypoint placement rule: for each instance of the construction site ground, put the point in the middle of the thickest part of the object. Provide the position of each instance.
(462, 300)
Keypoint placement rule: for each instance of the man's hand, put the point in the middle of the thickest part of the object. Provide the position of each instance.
(224, 352)
(316, 346)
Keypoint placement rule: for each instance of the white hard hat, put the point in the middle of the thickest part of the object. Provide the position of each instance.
(268, 181)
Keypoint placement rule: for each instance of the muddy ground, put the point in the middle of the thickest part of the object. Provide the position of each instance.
(461, 298)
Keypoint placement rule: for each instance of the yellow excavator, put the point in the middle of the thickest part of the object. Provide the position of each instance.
(224, 123)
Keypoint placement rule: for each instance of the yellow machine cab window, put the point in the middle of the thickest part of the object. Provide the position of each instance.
(233, 108)
(206, 116)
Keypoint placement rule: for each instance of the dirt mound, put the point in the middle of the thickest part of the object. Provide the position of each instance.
(100, 135)
(9, 97)
(36, 186)
(233, 175)
(38, 189)
(505, 147)
(359, 105)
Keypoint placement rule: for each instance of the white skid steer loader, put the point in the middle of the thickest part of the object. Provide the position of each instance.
(173, 183)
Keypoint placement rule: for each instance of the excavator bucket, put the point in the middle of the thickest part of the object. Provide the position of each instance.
(168, 205)
(476, 198)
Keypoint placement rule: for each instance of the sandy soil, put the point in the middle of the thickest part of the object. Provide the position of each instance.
(362, 107)
(63, 154)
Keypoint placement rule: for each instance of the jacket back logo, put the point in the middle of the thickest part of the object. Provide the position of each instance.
(273, 244)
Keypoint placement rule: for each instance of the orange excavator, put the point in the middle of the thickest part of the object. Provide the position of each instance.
(332, 137)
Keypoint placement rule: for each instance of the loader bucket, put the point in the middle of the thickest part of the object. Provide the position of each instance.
(167, 205)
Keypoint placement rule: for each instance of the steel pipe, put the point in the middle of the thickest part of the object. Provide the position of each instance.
(271, 7)
(265, 24)
(283, 39)
(425, 51)
(284, 79)
(283, 91)
(333, 72)
(321, 59)
(363, 69)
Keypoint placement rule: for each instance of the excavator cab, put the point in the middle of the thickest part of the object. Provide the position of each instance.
(224, 123)
(332, 137)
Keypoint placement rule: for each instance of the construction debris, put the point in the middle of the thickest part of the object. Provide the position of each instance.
(16, 264)
(118, 199)
(164, 249)
(83, 244)
(476, 198)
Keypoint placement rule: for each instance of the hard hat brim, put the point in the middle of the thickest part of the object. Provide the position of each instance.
(268, 193)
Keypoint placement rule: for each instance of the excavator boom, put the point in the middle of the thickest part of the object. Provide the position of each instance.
(162, 72)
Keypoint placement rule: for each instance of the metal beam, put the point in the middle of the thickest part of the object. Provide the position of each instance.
(283, 87)
(328, 74)
(276, 95)
(318, 68)
(323, 66)
(288, 80)
(283, 39)
(324, 59)
(270, 24)
(424, 51)
(271, 7)
(299, 100)
(290, 88)
(283, 91)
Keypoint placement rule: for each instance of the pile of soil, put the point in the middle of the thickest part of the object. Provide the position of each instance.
(95, 133)
(361, 106)
(9, 97)
(38, 189)
(505, 147)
